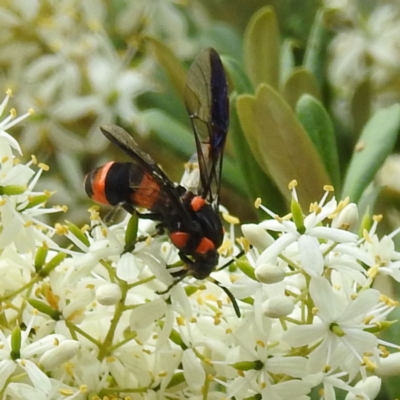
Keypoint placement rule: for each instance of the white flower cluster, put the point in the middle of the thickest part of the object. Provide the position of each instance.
(365, 50)
(89, 320)
(62, 62)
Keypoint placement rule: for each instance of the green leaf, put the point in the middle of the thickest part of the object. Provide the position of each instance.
(237, 79)
(299, 82)
(169, 131)
(317, 45)
(280, 145)
(287, 61)
(375, 144)
(360, 107)
(172, 66)
(317, 123)
(262, 48)
(256, 182)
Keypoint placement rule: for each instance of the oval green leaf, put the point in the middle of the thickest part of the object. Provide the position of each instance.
(257, 182)
(262, 48)
(375, 144)
(317, 123)
(317, 45)
(172, 66)
(299, 82)
(280, 145)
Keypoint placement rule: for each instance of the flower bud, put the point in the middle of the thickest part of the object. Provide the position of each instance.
(347, 219)
(269, 273)
(298, 216)
(369, 388)
(277, 307)
(15, 343)
(257, 236)
(59, 355)
(108, 294)
(248, 365)
(389, 366)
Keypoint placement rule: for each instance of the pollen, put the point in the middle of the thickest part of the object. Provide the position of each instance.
(226, 248)
(63, 208)
(314, 310)
(13, 112)
(377, 218)
(371, 366)
(217, 320)
(384, 351)
(43, 166)
(230, 219)
(258, 202)
(83, 388)
(85, 228)
(329, 188)
(34, 159)
(388, 301)
(69, 369)
(31, 111)
(292, 184)
(9, 92)
(65, 392)
(366, 236)
(61, 229)
(244, 243)
(94, 213)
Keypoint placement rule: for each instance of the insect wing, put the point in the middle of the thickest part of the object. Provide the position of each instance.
(206, 100)
(153, 176)
(121, 138)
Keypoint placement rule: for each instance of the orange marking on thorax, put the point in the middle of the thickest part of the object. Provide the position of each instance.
(147, 193)
(205, 246)
(197, 203)
(99, 184)
(179, 239)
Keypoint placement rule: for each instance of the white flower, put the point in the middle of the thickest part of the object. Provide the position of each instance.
(9, 122)
(305, 239)
(340, 334)
(382, 257)
(367, 388)
(19, 353)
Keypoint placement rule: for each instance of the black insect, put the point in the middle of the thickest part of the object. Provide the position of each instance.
(188, 212)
